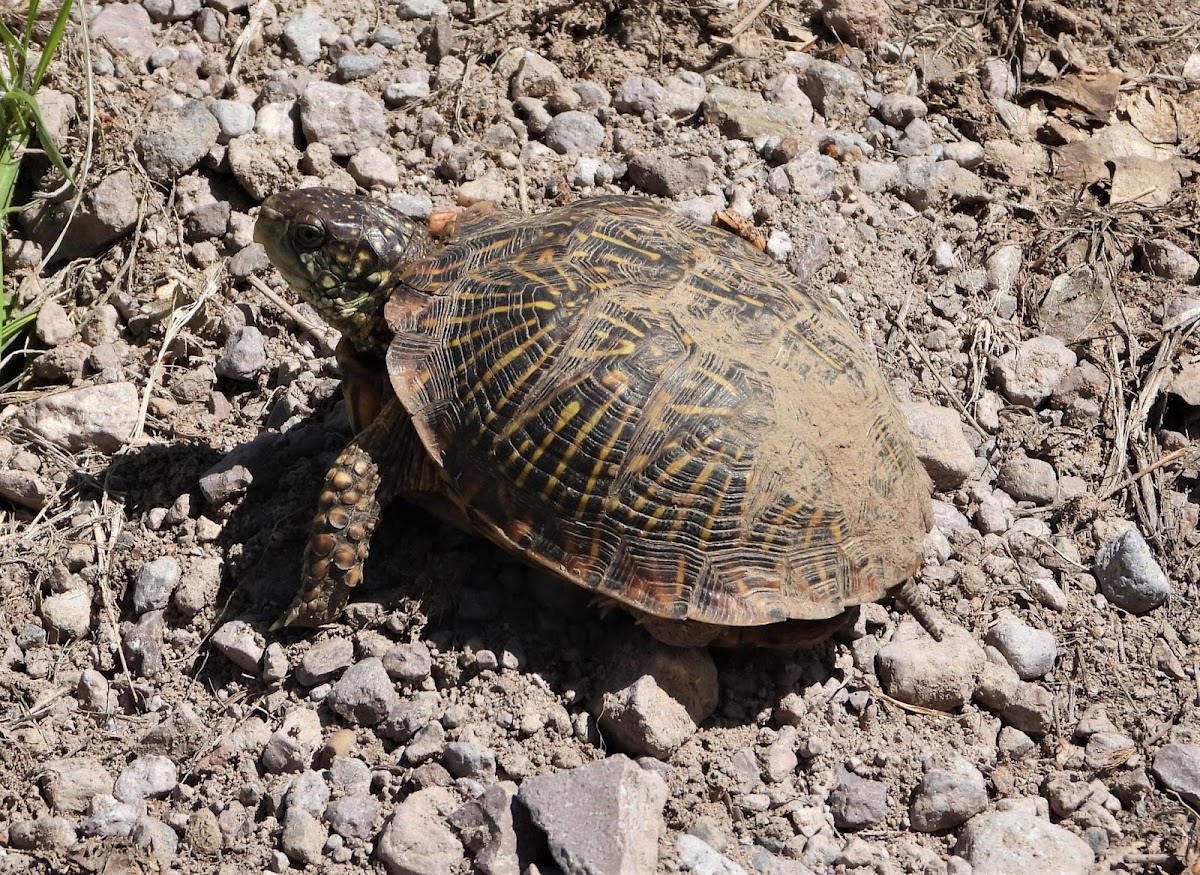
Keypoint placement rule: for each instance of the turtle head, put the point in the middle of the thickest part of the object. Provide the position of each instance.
(340, 253)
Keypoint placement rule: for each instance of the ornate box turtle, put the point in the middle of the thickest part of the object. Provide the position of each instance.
(644, 406)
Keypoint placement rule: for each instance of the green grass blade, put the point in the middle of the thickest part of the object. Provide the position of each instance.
(14, 58)
(47, 143)
(52, 41)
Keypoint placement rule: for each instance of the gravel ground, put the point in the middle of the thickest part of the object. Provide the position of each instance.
(1002, 198)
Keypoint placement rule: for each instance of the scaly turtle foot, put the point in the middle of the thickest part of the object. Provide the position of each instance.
(340, 539)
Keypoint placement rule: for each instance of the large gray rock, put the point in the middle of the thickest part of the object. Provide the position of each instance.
(174, 140)
(604, 818)
(345, 119)
(1129, 575)
(1007, 842)
(940, 443)
(94, 417)
(416, 839)
(653, 697)
(1178, 767)
(932, 674)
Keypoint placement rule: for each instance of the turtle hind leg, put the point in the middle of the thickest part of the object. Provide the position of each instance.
(340, 538)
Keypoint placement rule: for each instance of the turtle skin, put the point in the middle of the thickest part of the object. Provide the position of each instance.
(644, 406)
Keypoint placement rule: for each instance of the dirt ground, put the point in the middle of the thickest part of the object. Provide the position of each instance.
(1089, 158)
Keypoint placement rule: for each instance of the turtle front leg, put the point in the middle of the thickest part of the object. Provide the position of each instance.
(340, 539)
(385, 460)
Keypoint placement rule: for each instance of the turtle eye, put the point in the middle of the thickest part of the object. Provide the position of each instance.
(309, 235)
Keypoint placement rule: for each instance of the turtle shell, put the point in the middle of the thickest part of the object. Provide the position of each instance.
(656, 411)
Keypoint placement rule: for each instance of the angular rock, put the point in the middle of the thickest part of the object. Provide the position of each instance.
(858, 803)
(241, 644)
(146, 777)
(668, 176)
(303, 837)
(354, 816)
(861, 23)
(125, 28)
(833, 89)
(416, 839)
(67, 614)
(1178, 767)
(108, 211)
(343, 118)
(244, 355)
(701, 858)
(1031, 652)
(155, 583)
(652, 700)
(604, 818)
(940, 443)
(1164, 259)
(293, 745)
(364, 693)
(174, 140)
(488, 827)
(948, 796)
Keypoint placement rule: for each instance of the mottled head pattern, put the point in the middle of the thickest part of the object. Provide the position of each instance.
(340, 252)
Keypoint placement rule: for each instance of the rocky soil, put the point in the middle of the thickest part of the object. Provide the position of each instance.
(1002, 197)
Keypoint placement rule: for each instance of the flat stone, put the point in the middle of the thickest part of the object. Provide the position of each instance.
(858, 803)
(745, 115)
(324, 661)
(69, 785)
(604, 818)
(1004, 842)
(1178, 767)
(95, 417)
